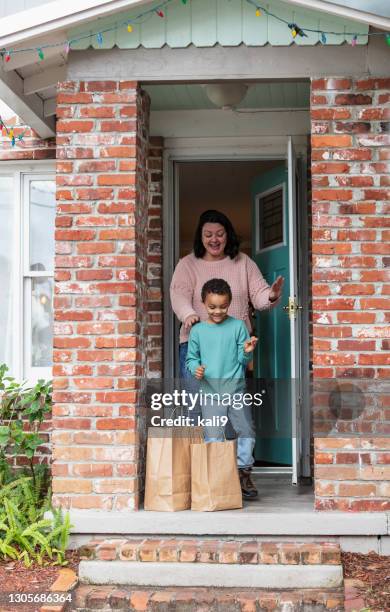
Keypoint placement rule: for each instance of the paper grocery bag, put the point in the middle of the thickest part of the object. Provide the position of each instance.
(215, 484)
(168, 467)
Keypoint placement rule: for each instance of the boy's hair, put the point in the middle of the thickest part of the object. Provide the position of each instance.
(216, 285)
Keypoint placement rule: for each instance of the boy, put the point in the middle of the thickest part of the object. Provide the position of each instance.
(218, 351)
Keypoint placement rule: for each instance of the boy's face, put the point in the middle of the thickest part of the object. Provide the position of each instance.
(217, 307)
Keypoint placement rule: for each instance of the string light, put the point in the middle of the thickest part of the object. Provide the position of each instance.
(40, 54)
(129, 27)
(10, 132)
(296, 30)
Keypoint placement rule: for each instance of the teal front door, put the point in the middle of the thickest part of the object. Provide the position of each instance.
(272, 364)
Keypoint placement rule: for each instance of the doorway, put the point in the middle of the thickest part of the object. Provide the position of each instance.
(233, 186)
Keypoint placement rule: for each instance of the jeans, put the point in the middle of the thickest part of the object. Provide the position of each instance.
(242, 423)
(189, 383)
(241, 420)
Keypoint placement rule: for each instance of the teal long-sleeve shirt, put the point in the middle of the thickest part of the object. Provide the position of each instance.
(219, 347)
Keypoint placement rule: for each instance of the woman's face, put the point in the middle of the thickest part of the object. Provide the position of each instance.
(214, 240)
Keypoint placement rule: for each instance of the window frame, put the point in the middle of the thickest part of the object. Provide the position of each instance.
(22, 173)
(281, 187)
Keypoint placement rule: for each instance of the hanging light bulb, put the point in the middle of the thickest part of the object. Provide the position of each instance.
(258, 12)
(354, 40)
(323, 38)
(129, 28)
(41, 54)
(160, 13)
(388, 38)
(99, 38)
(7, 56)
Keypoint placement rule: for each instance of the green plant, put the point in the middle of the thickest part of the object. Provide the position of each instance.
(25, 533)
(22, 411)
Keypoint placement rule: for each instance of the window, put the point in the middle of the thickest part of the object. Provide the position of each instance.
(6, 267)
(270, 219)
(27, 216)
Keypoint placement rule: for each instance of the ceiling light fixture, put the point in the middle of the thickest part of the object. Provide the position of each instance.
(226, 95)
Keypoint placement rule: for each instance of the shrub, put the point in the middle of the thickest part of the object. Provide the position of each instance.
(25, 499)
(25, 533)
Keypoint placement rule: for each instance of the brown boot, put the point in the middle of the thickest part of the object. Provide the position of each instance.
(248, 487)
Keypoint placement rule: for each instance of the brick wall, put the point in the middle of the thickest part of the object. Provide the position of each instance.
(100, 294)
(155, 271)
(350, 244)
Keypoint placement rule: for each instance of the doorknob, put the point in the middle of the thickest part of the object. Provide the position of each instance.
(292, 308)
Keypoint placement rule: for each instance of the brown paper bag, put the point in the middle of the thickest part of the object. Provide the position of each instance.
(168, 467)
(215, 484)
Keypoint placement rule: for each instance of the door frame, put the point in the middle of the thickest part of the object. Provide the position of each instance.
(232, 149)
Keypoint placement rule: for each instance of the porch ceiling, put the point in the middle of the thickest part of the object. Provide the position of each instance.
(279, 94)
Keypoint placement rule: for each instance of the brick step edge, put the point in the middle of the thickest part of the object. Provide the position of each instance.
(90, 597)
(212, 551)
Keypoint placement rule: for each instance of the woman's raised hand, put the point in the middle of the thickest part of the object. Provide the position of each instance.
(276, 289)
(190, 320)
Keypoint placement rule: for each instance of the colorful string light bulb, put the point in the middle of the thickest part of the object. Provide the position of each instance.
(323, 38)
(129, 28)
(258, 12)
(354, 40)
(296, 30)
(41, 55)
(160, 13)
(7, 56)
(388, 38)
(99, 38)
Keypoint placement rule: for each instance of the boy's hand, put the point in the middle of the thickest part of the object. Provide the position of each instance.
(250, 345)
(199, 372)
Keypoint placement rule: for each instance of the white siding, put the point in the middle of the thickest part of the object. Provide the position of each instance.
(10, 7)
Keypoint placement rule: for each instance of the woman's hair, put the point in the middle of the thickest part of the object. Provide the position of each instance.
(232, 247)
(218, 286)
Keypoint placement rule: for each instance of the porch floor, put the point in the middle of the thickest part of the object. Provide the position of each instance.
(277, 494)
(281, 509)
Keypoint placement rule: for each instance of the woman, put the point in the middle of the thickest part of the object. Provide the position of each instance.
(216, 254)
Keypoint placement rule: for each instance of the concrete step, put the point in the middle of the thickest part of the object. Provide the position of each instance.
(211, 563)
(88, 598)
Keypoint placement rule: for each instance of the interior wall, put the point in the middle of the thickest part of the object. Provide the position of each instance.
(221, 185)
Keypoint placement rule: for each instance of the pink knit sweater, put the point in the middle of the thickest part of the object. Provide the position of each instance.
(242, 274)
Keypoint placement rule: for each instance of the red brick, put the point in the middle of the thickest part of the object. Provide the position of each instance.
(74, 126)
(117, 126)
(116, 179)
(97, 86)
(73, 98)
(97, 112)
(331, 141)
